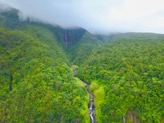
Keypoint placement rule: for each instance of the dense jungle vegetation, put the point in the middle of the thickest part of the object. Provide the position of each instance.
(37, 82)
(127, 75)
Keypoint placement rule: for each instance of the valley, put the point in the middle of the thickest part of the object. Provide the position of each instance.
(54, 75)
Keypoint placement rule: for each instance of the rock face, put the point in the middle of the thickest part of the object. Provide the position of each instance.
(66, 38)
(131, 116)
(71, 36)
(91, 108)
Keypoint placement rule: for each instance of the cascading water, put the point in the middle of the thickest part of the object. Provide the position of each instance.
(91, 105)
(91, 108)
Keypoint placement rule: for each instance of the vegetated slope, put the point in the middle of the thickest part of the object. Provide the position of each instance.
(127, 78)
(80, 51)
(36, 83)
(9, 19)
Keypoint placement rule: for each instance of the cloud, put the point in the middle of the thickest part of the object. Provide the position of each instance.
(4, 7)
(97, 16)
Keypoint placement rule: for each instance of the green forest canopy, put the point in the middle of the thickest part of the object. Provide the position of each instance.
(37, 83)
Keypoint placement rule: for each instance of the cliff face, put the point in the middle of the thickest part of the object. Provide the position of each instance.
(132, 117)
(72, 36)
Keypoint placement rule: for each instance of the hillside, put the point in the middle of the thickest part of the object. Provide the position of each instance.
(48, 73)
(127, 78)
(37, 85)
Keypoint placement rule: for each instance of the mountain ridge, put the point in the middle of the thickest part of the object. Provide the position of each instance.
(38, 84)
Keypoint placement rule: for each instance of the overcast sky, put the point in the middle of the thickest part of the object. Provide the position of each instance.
(100, 16)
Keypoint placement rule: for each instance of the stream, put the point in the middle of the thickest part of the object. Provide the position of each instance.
(91, 106)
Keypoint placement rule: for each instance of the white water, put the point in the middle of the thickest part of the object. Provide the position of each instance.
(91, 108)
(91, 116)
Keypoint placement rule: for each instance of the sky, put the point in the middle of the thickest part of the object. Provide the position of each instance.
(96, 16)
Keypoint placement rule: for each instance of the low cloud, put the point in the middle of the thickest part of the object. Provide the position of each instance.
(97, 16)
(4, 7)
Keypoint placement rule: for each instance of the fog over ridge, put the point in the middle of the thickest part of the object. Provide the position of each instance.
(96, 16)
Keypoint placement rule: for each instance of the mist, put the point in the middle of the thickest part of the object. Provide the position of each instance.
(96, 16)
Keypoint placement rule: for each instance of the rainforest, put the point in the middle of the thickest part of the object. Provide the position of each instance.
(49, 74)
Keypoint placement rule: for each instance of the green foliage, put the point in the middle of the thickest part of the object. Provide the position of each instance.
(43, 86)
(82, 49)
(37, 84)
(2, 20)
(130, 69)
(99, 96)
(93, 87)
(10, 18)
